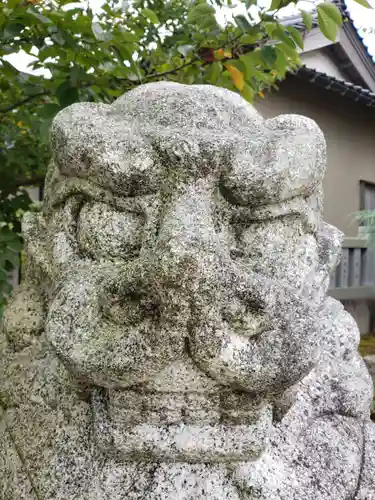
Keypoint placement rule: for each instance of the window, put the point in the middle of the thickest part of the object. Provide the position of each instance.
(367, 195)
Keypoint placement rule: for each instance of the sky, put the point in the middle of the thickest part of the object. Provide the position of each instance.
(363, 20)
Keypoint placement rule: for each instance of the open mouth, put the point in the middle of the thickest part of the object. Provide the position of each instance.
(213, 425)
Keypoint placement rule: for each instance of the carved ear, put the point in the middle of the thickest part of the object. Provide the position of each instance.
(329, 241)
(24, 316)
(35, 234)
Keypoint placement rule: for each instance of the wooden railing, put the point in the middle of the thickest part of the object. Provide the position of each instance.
(354, 277)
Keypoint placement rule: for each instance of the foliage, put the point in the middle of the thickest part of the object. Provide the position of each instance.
(87, 57)
(366, 218)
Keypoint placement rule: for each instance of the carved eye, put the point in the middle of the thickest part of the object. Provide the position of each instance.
(103, 232)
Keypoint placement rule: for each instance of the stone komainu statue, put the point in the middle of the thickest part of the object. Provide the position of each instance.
(172, 338)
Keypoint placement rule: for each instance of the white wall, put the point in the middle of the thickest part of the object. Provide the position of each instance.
(318, 60)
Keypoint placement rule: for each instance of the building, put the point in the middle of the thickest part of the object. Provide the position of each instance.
(336, 88)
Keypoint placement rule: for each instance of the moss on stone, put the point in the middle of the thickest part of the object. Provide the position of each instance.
(367, 345)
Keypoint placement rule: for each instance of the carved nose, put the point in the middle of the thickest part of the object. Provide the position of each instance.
(183, 262)
(188, 225)
(182, 259)
(187, 235)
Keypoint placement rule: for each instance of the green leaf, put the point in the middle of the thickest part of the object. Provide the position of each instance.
(297, 36)
(280, 34)
(200, 11)
(126, 36)
(16, 245)
(49, 51)
(330, 10)
(77, 75)
(98, 31)
(288, 51)
(281, 63)
(13, 30)
(249, 3)
(39, 17)
(268, 55)
(239, 64)
(248, 93)
(125, 52)
(58, 37)
(327, 24)
(214, 72)
(100, 34)
(3, 275)
(270, 28)
(12, 257)
(7, 235)
(7, 49)
(13, 3)
(44, 130)
(49, 110)
(250, 39)
(5, 287)
(9, 70)
(364, 3)
(66, 94)
(150, 15)
(250, 60)
(242, 23)
(307, 19)
(107, 9)
(275, 4)
(30, 89)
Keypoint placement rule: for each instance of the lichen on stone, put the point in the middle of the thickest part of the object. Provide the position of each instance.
(172, 338)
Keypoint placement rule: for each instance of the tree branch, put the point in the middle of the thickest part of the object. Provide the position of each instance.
(132, 83)
(172, 71)
(198, 59)
(29, 98)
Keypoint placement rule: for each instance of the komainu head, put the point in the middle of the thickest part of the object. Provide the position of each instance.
(180, 248)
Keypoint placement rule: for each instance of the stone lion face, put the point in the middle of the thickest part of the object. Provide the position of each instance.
(180, 230)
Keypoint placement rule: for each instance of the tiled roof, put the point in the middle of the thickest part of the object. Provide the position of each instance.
(347, 89)
(297, 22)
(345, 12)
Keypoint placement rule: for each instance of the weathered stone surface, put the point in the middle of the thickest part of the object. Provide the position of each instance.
(370, 363)
(172, 338)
